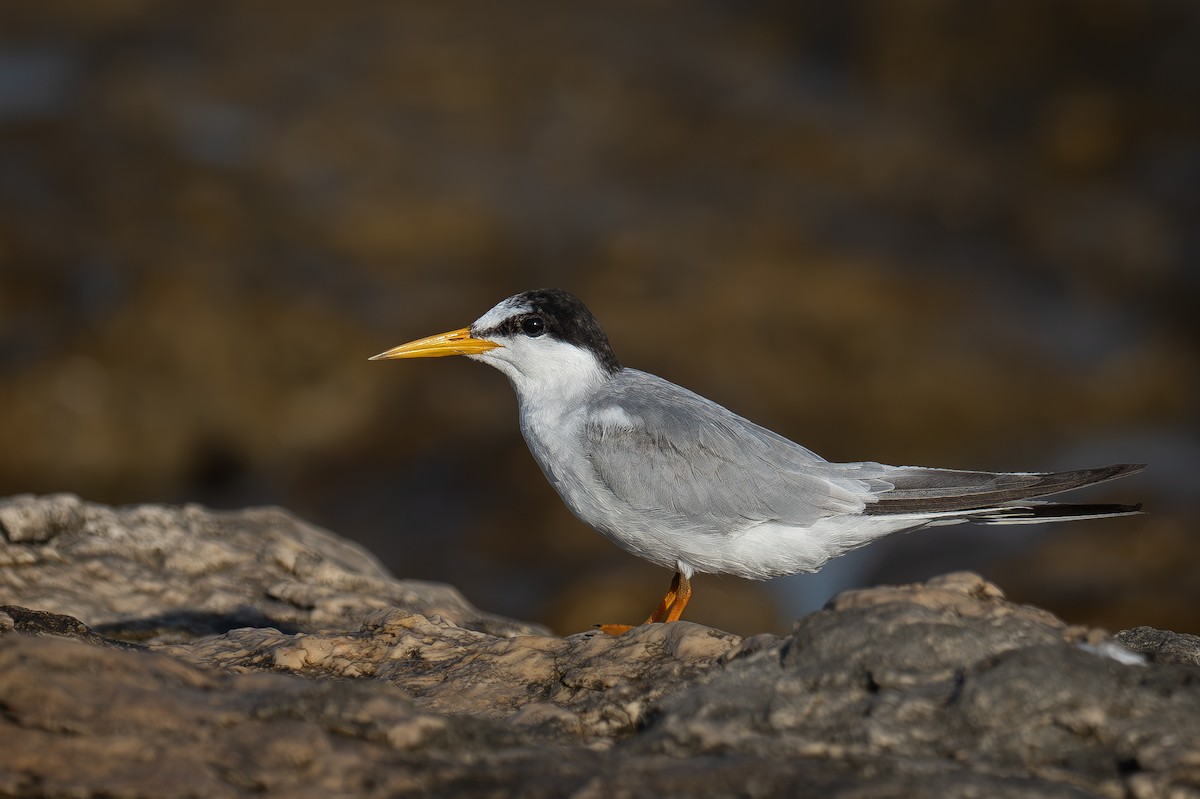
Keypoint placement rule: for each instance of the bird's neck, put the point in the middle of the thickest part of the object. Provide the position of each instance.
(563, 391)
(561, 382)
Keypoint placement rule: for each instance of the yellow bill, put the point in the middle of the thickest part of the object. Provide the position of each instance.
(456, 342)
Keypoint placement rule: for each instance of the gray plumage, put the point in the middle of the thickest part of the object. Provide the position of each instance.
(685, 483)
(685, 463)
(691, 457)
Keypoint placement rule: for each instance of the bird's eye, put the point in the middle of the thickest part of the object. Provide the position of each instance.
(533, 326)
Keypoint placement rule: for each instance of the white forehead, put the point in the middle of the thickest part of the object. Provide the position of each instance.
(503, 310)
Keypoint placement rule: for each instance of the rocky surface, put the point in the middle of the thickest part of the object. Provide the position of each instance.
(156, 651)
(154, 573)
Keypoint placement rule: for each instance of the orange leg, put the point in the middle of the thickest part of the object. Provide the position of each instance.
(660, 612)
(669, 610)
(683, 594)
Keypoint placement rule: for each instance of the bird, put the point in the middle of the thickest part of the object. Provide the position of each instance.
(686, 484)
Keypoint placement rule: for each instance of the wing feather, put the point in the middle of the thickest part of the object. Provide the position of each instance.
(919, 489)
(662, 449)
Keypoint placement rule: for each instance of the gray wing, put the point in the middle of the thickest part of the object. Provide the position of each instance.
(663, 449)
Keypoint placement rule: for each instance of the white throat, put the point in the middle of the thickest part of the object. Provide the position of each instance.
(546, 373)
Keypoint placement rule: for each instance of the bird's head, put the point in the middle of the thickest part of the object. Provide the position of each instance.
(545, 341)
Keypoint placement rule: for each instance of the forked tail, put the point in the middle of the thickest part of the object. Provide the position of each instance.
(996, 497)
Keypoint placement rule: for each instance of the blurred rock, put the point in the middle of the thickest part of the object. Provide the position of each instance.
(924, 690)
(1121, 575)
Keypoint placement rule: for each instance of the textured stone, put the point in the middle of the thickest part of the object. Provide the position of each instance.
(157, 573)
(85, 721)
(380, 687)
(591, 685)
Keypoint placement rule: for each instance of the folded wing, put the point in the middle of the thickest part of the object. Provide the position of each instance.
(664, 450)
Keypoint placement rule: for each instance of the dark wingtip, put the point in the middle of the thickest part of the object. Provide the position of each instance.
(1107, 473)
(1056, 511)
(1125, 510)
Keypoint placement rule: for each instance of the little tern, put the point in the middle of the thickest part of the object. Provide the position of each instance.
(686, 484)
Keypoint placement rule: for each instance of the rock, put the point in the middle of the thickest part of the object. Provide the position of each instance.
(591, 686)
(86, 721)
(43, 624)
(954, 680)
(156, 573)
(1162, 646)
(350, 682)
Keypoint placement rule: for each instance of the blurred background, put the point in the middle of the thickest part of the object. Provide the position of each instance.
(938, 233)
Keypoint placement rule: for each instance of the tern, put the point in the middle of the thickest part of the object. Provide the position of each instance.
(686, 484)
